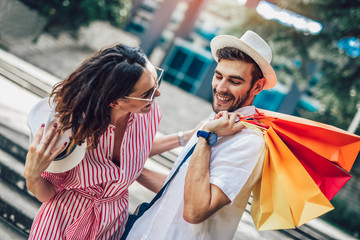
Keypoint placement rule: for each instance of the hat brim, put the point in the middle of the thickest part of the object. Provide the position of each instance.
(43, 113)
(223, 41)
(68, 161)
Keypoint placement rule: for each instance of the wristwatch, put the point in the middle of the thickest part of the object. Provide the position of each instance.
(210, 137)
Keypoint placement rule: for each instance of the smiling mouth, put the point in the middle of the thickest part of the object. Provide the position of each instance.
(223, 99)
(148, 105)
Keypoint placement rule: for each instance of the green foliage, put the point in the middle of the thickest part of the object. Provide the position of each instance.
(71, 14)
(345, 215)
(289, 46)
(309, 59)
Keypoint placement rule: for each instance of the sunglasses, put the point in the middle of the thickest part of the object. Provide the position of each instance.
(159, 72)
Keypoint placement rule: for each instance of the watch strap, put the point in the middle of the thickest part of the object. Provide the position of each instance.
(204, 134)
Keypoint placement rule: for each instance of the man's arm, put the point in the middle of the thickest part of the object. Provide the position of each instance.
(202, 199)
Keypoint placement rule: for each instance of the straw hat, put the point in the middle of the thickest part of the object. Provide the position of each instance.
(254, 46)
(43, 113)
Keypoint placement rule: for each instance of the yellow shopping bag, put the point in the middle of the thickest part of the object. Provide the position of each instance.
(286, 196)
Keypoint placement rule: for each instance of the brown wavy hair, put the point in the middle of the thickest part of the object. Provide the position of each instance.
(231, 53)
(83, 98)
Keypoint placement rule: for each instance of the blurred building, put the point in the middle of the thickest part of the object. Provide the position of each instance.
(179, 32)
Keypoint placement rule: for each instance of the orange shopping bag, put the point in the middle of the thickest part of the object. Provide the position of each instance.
(332, 143)
(286, 196)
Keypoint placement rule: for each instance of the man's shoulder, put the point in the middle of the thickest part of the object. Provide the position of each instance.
(245, 140)
(248, 134)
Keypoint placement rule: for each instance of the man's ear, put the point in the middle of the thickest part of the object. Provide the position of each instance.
(258, 86)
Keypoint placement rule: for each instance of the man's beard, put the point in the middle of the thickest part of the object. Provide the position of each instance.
(238, 104)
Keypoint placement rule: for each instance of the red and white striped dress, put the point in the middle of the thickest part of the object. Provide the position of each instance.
(91, 200)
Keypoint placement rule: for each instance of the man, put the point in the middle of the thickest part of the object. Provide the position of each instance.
(207, 197)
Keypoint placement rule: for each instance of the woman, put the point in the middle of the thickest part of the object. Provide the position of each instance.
(107, 103)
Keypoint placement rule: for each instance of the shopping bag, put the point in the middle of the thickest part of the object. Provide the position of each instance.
(329, 177)
(332, 143)
(285, 188)
(269, 207)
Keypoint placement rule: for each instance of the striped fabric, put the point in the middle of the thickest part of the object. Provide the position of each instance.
(92, 198)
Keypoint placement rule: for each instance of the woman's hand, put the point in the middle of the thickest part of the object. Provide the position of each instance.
(42, 153)
(224, 124)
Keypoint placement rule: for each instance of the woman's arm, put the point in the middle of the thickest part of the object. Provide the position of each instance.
(151, 180)
(167, 142)
(39, 157)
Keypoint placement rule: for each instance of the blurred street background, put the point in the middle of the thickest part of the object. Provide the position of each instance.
(316, 49)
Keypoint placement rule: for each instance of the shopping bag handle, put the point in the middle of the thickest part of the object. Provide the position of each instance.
(255, 119)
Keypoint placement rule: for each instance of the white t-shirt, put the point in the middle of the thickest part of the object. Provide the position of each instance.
(234, 168)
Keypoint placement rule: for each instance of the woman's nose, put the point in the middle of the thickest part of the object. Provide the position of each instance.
(157, 93)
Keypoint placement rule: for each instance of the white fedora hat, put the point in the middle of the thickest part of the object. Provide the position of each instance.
(43, 113)
(254, 46)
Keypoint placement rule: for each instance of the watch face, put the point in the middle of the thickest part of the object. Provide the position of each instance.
(212, 139)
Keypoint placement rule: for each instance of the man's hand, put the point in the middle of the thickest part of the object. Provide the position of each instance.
(224, 124)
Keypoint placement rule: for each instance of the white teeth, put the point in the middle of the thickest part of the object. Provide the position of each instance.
(222, 98)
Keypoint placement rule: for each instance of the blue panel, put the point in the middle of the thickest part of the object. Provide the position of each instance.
(269, 100)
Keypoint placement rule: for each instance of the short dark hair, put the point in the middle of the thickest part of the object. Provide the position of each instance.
(83, 98)
(231, 53)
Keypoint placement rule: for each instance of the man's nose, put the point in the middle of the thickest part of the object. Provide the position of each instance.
(221, 85)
